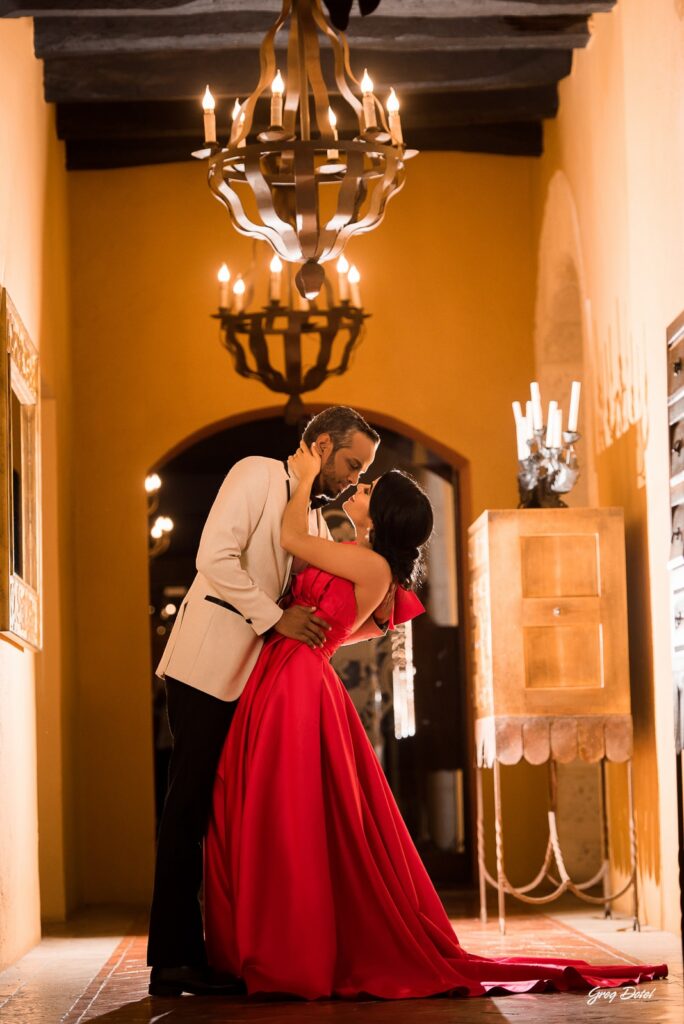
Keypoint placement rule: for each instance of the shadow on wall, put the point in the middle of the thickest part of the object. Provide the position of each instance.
(618, 471)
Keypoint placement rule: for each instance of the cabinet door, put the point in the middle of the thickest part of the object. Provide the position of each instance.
(561, 595)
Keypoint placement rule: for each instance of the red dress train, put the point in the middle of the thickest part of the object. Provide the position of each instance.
(313, 886)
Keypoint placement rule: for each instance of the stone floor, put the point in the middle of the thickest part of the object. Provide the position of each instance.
(93, 969)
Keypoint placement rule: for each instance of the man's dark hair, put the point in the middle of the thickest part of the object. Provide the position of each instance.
(340, 422)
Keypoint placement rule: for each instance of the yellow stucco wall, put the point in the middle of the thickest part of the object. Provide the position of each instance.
(34, 690)
(448, 280)
(618, 146)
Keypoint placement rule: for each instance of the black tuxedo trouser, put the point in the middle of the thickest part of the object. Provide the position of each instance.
(199, 726)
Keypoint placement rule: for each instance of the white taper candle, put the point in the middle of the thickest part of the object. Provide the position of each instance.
(573, 415)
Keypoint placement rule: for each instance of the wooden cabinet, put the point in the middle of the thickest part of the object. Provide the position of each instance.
(549, 613)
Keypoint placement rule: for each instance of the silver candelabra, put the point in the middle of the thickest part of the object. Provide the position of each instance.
(548, 472)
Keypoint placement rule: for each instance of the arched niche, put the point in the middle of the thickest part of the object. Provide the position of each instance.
(563, 325)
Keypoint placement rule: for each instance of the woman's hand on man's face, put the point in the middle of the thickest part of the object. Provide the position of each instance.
(306, 462)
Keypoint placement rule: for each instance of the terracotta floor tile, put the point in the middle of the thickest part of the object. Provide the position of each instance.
(86, 971)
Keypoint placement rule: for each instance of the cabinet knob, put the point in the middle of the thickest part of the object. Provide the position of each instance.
(677, 367)
(676, 534)
(679, 618)
(677, 446)
(556, 611)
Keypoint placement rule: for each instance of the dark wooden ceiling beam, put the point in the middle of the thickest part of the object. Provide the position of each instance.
(81, 37)
(184, 76)
(439, 112)
(517, 139)
(396, 8)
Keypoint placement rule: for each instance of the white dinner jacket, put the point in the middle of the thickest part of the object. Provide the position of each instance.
(242, 571)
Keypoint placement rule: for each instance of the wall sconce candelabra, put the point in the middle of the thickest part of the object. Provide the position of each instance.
(272, 183)
(291, 344)
(162, 526)
(548, 465)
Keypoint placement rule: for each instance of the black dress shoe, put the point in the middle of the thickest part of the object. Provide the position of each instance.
(198, 981)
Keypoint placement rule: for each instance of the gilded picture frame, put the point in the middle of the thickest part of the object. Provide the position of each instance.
(20, 499)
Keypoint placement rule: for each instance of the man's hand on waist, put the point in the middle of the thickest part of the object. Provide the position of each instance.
(300, 623)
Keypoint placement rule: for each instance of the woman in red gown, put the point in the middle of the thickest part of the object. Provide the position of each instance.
(313, 886)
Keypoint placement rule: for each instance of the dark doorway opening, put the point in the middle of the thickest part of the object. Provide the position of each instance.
(420, 737)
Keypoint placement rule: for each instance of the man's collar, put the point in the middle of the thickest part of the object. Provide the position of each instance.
(319, 501)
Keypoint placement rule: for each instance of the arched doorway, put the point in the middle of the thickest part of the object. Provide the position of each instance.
(427, 763)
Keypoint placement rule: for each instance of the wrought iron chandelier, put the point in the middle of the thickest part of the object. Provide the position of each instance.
(297, 184)
(291, 344)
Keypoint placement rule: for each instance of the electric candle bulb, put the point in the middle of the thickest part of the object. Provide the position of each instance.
(239, 295)
(238, 122)
(369, 118)
(277, 90)
(342, 278)
(354, 277)
(209, 106)
(394, 119)
(152, 483)
(223, 278)
(333, 154)
(276, 268)
(573, 415)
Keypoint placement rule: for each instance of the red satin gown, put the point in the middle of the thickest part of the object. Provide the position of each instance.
(313, 886)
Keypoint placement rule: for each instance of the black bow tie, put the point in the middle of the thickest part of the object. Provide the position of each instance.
(319, 501)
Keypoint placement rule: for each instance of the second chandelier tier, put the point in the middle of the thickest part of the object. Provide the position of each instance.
(297, 184)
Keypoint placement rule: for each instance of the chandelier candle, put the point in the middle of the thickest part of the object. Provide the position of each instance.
(224, 293)
(277, 90)
(394, 120)
(369, 118)
(238, 295)
(209, 107)
(529, 421)
(276, 279)
(354, 278)
(333, 154)
(343, 278)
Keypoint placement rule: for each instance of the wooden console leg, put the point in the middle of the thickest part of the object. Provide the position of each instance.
(605, 848)
(481, 845)
(633, 849)
(499, 848)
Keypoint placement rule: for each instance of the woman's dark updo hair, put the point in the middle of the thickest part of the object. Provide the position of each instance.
(402, 524)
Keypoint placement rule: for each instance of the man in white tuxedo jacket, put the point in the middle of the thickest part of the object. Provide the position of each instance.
(242, 573)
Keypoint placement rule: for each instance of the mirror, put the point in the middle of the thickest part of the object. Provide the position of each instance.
(20, 604)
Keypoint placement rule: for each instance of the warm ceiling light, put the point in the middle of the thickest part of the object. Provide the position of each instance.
(239, 287)
(343, 265)
(354, 276)
(208, 101)
(392, 102)
(224, 273)
(276, 264)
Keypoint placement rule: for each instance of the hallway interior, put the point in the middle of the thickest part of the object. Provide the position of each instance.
(93, 968)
